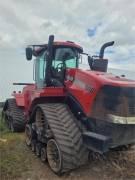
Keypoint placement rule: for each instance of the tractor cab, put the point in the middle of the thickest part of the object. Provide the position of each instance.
(52, 60)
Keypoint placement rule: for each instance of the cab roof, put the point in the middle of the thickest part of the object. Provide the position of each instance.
(40, 48)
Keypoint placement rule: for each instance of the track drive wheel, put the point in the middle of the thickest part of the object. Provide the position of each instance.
(54, 156)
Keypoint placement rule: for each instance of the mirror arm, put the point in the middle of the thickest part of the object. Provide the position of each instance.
(90, 61)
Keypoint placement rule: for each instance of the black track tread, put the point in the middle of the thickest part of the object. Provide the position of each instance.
(67, 134)
(16, 114)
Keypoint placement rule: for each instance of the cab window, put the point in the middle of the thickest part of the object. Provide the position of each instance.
(68, 56)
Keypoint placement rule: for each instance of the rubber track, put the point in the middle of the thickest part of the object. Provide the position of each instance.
(67, 134)
(17, 115)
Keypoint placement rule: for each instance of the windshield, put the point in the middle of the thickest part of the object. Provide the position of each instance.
(68, 56)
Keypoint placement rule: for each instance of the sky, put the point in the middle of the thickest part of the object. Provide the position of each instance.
(89, 23)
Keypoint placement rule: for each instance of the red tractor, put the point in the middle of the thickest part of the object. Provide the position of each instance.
(70, 111)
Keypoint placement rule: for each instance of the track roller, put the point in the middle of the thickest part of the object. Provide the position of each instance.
(43, 155)
(38, 149)
(33, 146)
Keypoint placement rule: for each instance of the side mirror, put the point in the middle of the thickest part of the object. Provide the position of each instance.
(90, 61)
(29, 53)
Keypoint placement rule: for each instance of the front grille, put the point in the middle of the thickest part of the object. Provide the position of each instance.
(132, 106)
(119, 101)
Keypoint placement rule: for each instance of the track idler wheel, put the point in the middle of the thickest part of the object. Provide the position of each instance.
(43, 155)
(54, 156)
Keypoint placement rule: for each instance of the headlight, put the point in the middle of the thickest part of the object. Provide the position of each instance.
(120, 119)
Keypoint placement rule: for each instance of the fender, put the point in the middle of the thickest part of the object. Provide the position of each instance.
(20, 99)
(75, 107)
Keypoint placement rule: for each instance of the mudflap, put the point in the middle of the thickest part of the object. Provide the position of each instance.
(96, 142)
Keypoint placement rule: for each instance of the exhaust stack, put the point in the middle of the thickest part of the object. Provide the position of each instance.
(101, 54)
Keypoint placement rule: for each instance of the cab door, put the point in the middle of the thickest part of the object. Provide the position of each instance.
(40, 68)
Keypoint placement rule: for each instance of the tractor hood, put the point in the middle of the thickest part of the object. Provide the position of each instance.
(110, 79)
(106, 89)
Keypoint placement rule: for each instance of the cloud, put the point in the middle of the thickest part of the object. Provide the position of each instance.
(27, 22)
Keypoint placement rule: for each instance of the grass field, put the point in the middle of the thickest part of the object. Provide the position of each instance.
(17, 162)
(13, 154)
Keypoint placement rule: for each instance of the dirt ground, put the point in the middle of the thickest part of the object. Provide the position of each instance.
(17, 162)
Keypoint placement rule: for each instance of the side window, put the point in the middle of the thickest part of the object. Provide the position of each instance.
(40, 67)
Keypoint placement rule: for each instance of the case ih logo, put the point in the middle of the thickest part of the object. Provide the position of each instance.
(89, 88)
(82, 85)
